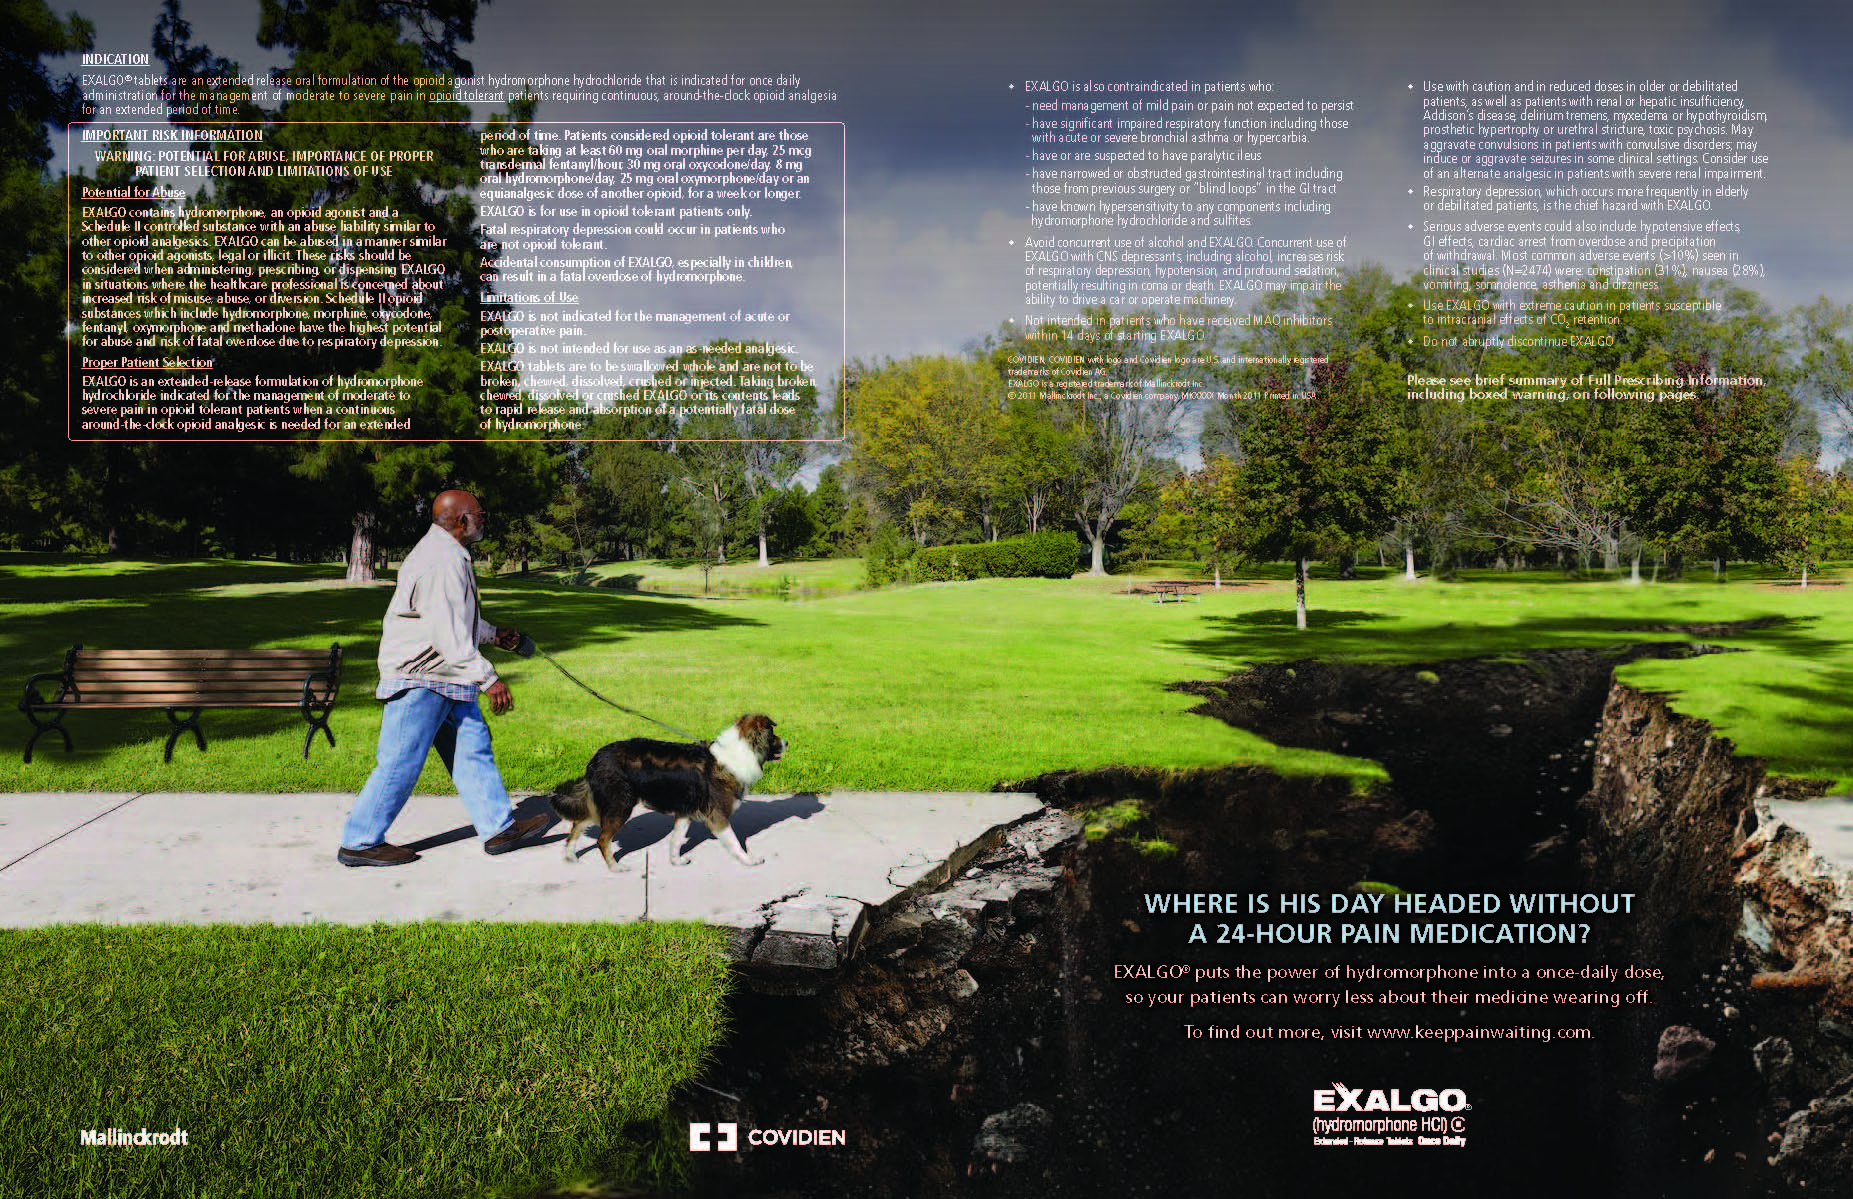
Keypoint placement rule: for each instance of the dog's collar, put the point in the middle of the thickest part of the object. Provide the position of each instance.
(731, 751)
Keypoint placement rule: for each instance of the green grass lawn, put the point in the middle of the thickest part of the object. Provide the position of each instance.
(327, 1060)
(787, 579)
(423, 1059)
(947, 686)
(953, 686)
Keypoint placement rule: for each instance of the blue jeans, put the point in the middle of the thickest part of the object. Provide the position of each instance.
(418, 720)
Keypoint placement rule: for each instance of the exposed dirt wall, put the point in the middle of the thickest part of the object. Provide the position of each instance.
(981, 1044)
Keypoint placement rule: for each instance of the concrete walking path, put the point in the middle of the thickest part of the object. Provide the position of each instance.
(192, 858)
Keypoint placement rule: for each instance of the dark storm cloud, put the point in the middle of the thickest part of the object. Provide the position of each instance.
(921, 83)
(936, 189)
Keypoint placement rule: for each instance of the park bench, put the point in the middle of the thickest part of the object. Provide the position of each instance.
(183, 683)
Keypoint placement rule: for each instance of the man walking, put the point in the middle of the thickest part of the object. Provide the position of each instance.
(430, 674)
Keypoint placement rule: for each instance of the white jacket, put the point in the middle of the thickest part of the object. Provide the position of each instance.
(433, 625)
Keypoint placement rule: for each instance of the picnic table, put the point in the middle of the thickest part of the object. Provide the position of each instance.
(1165, 591)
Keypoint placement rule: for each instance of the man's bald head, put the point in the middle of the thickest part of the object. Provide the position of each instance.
(459, 514)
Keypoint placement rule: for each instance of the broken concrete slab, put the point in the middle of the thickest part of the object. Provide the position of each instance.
(1827, 822)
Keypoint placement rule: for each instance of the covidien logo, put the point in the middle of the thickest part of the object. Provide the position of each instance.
(698, 1137)
(726, 1137)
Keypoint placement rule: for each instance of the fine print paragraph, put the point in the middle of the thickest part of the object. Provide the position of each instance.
(1530, 184)
(617, 246)
(624, 244)
(1148, 192)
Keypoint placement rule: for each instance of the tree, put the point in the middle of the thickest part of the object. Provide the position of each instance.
(1124, 386)
(840, 520)
(1826, 370)
(1706, 475)
(1555, 486)
(741, 414)
(792, 526)
(435, 287)
(1816, 504)
(43, 492)
(1038, 459)
(1436, 325)
(1557, 447)
(628, 463)
(1320, 470)
(1204, 508)
(1440, 327)
(923, 435)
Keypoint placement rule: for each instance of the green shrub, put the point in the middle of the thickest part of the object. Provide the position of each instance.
(889, 557)
(1038, 556)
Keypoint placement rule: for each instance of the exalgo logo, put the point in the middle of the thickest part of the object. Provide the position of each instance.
(1342, 1098)
(728, 1141)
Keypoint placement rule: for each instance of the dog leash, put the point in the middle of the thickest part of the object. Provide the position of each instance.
(527, 643)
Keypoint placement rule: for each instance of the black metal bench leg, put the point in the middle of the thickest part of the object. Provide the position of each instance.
(56, 726)
(315, 726)
(316, 711)
(181, 726)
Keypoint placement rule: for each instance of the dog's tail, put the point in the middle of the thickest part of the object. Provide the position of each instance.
(572, 802)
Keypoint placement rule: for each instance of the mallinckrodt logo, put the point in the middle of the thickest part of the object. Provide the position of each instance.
(1342, 1098)
(117, 1138)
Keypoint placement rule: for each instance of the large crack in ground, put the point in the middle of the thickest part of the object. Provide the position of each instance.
(980, 1044)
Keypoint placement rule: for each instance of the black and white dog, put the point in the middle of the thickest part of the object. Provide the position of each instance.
(687, 780)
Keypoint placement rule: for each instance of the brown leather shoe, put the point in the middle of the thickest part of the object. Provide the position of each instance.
(380, 855)
(512, 836)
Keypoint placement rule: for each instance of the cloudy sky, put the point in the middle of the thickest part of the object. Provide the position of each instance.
(935, 189)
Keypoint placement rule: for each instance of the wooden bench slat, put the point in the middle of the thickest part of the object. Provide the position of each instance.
(201, 666)
(201, 670)
(195, 679)
(107, 678)
(185, 701)
(132, 655)
(159, 695)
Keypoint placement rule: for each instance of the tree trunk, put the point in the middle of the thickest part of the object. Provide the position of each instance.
(1804, 578)
(1299, 593)
(762, 549)
(1634, 574)
(1409, 561)
(360, 549)
(1099, 543)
